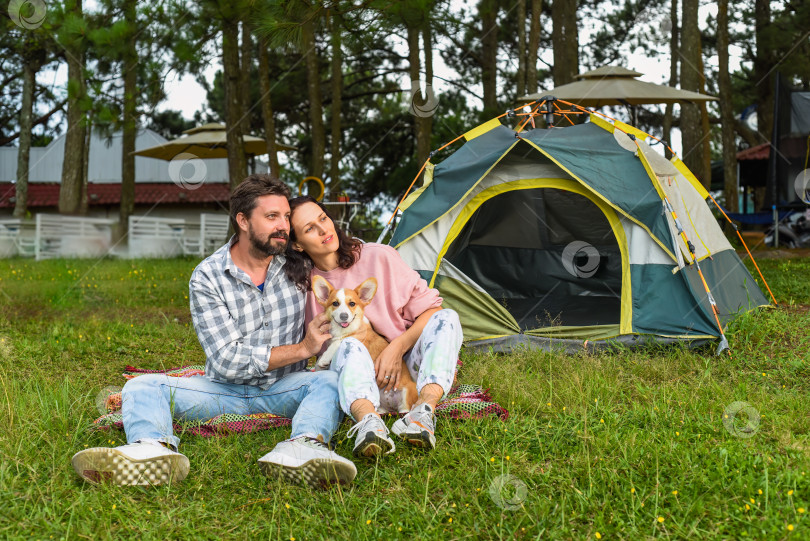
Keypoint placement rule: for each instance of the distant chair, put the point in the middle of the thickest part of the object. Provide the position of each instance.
(212, 234)
(155, 237)
(9, 233)
(71, 236)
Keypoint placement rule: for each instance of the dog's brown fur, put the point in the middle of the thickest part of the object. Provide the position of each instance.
(346, 310)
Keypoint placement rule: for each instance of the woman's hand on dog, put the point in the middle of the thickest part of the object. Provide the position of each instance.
(389, 363)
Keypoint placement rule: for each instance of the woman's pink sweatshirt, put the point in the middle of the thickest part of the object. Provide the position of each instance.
(402, 295)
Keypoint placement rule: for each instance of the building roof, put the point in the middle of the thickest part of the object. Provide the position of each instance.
(759, 152)
(146, 193)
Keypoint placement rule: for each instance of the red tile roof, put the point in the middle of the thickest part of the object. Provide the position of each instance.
(149, 193)
(759, 152)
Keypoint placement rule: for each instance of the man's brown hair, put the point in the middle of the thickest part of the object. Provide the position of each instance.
(244, 196)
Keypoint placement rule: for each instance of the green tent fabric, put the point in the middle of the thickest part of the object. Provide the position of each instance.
(561, 238)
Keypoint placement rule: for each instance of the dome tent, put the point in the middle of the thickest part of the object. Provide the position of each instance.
(565, 237)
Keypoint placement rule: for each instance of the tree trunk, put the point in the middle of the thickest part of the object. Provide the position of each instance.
(130, 128)
(246, 61)
(425, 122)
(267, 109)
(690, 124)
(520, 83)
(763, 70)
(764, 78)
(318, 131)
(337, 96)
(673, 75)
(705, 135)
(726, 110)
(534, 46)
(237, 163)
(24, 154)
(422, 106)
(565, 41)
(83, 202)
(70, 191)
(488, 12)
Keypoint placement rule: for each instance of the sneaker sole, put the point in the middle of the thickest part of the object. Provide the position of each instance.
(373, 446)
(424, 439)
(108, 465)
(317, 473)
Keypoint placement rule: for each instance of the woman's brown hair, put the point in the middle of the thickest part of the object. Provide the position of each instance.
(299, 265)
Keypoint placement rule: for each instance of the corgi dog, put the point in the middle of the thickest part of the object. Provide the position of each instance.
(346, 311)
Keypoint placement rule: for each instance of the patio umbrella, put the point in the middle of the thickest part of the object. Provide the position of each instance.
(615, 85)
(207, 141)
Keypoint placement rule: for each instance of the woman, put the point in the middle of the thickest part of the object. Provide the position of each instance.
(404, 310)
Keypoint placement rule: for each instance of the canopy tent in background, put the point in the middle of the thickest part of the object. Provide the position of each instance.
(206, 141)
(615, 85)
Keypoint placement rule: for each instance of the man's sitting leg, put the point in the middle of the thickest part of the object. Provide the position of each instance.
(150, 457)
(311, 400)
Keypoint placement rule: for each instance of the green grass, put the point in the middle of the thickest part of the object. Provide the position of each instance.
(603, 443)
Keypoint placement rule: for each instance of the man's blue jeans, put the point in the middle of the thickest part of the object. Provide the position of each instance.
(150, 402)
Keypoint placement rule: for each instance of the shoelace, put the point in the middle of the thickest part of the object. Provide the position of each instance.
(362, 424)
(313, 442)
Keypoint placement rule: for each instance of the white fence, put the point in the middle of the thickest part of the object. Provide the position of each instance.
(71, 236)
(53, 235)
(204, 238)
(155, 237)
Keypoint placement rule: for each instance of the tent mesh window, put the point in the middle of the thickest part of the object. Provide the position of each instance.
(549, 256)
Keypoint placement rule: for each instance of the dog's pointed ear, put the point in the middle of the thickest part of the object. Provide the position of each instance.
(322, 289)
(366, 290)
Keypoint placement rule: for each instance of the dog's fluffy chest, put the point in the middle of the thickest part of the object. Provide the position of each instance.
(393, 402)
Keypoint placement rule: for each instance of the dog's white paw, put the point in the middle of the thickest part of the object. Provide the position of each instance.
(321, 366)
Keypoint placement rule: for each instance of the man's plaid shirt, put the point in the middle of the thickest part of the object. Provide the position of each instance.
(238, 325)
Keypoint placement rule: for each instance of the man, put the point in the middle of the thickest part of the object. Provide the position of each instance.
(249, 318)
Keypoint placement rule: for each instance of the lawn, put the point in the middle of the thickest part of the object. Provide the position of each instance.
(621, 445)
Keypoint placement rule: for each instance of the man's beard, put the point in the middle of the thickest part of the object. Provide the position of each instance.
(268, 248)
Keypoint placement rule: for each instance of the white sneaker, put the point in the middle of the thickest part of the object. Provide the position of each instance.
(417, 427)
(308, 460)
(372, 437)
(133, 464)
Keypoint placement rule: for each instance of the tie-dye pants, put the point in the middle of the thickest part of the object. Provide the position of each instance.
(432, 359)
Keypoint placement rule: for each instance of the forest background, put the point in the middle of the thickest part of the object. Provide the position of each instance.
(327, 77)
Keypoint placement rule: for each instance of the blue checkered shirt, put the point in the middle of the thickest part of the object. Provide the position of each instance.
(238, 325)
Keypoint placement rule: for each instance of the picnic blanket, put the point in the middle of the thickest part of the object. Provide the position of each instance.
(462, 402)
